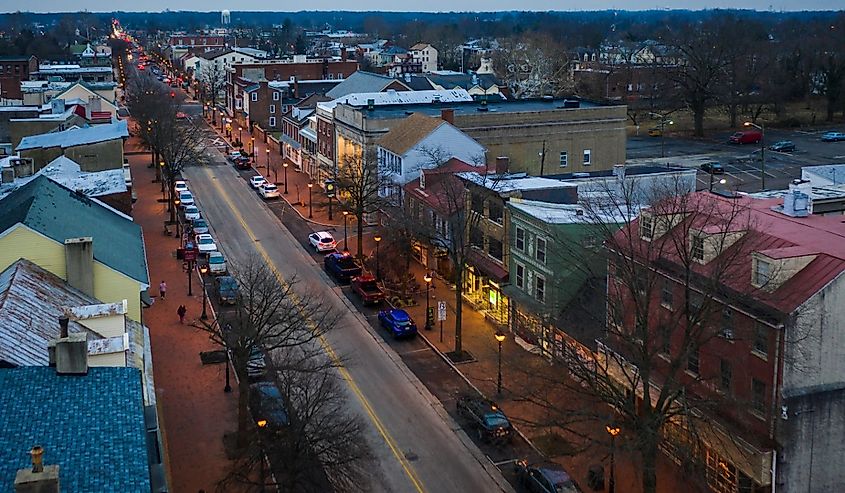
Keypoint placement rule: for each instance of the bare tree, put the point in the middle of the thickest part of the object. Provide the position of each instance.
(362, 184)
(212, 79)
(533, 66)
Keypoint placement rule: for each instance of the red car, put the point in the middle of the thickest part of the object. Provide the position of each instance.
(746, 137)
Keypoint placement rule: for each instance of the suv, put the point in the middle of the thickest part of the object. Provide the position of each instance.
(833, 136)
(227, 289)
(545, 478)
(490, 422)
(713, 167)
(783, 146)
(267, 406)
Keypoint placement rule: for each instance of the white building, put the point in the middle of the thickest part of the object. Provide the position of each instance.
(425, 54)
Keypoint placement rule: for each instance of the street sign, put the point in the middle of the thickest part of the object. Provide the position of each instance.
(190, 255)
(330, 188)
(441, 311)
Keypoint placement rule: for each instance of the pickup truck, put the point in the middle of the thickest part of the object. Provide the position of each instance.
(367, 288)
(341, 266)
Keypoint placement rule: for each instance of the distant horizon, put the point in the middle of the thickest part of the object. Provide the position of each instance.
(437, 6)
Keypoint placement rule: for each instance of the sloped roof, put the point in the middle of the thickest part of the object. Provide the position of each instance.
(31, 301)
(407, 133)
(60, 213)
(76, 136)
(91, 426)
(396, 98)
(67, 172)
(420, 46)
(361, 81)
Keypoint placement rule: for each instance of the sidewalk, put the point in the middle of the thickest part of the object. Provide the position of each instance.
(193, 410)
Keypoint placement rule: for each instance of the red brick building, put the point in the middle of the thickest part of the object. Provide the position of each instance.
(13, 70)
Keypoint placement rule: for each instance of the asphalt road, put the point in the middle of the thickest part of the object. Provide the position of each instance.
(419, 447)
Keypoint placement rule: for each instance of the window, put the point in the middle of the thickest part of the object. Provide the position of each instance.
(253, 96)
(272, 108)
(520, 239)
(727, 324)
(541, 250)
(762, 272)
(697, 247)
(564, 159)
(666, 339)
(540, 292)
(478, 204)
(692, 361)
(275, 96)
(520, 276)
(495, 212)
(646, 226)
(587, 157)
(272, 121)
(725, 375)
(761, 340)
(666, 294)
(494, 248)
(758, 396)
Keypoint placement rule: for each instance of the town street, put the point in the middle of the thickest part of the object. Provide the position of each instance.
(418, 446)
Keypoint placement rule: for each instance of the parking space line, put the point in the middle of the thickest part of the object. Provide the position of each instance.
(503, 462)
(420, 350)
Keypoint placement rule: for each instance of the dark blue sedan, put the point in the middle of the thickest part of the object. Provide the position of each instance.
(398, 322)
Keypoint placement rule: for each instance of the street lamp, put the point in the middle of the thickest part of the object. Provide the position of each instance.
(721, 181)
(762, 130)
(268, 160)
(500, 338)
(377, 239)
(427, 279)
(663, 122)
(310, 201)
(240, 134)
(613, 431)
(203, 272)
(252, 149)
(285, 166)
(345, 243)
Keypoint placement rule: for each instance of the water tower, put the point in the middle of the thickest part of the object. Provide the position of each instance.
(225, 18)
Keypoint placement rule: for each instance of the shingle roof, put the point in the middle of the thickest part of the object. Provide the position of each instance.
(76, 136)
(60, 213)
(407, 133)
(361, 81)
(91, 426)
(31, 301)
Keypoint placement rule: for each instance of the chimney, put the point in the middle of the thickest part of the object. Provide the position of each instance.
(295, 87)
(22, 166)
(448, 115)
(343, 55)
(619, 171)
(72, 354)
(39, 478)
(502, 163)
(371, 104)
(796, 203)
(8, 175)
(79, 257)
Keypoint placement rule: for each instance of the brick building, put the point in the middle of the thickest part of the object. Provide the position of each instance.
(13, 70)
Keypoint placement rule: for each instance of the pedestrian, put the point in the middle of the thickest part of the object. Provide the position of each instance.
(181, 311)
(162, 289)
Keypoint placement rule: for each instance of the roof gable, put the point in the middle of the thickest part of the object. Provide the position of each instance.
(361, 81)
(410, 131)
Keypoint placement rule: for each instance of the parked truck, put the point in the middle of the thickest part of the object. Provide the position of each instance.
(367, 288)
(341, 266)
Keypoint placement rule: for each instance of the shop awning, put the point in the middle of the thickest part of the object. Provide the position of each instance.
(487, 266)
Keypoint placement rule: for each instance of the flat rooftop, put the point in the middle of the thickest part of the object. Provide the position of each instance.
(472, 107)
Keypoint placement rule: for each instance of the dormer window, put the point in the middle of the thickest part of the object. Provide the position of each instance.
(697, 248)
(646, 226)
(422, 180)
(762, 272)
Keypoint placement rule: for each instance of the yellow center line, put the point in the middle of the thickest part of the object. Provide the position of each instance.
(388, 438)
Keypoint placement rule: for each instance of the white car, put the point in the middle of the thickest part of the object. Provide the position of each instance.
(256, 181)
(205, 243)
(192, 212)
(180, 186)
(186, 199)
(269, 191)
(234, 155)
(216, 263)
(322, 241)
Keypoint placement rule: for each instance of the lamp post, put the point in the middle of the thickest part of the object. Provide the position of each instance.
(252, 149)
(345, 238)
(285, 166)
(377, 239)
(613, 431)
(762, 130)
(500, 338)
(240, 134)
(663, 122)
(190, 269)
(427, 279)
(268, 160)
(310, 201)
(203, 272)
(721, 181)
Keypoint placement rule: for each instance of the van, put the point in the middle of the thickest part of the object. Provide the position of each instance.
(746, 137)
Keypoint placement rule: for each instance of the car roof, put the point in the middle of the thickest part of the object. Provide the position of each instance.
(323, 234)
(553, 472)
(215, 254)
(399, 314)
(203, 235)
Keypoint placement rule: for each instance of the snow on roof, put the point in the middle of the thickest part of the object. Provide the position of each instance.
(512, 182)
(67, 172)
(399, 97)
(570, 213)
(76, 137)
(85, 312)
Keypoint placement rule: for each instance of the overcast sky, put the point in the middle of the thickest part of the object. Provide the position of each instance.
(429, 5)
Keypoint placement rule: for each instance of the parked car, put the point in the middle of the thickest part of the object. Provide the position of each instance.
(322, 241)
(545, 478)
(256, 181)
(192, 212)
(833, 136)
(783, 146)
(256, 365)
(205, 243)
(713, 167)
(233, 155)
(226, 288)
(242, 162)
(186, 199)
(216, 263)
(655, 132)
(199, 225)
(180, 186)
(268, 191)
(368, 289)
(268, 406)
(746, 137)
(489, 421)
(397, 322)
(341, 266)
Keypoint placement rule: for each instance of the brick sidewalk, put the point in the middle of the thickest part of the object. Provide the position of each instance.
(193, 409)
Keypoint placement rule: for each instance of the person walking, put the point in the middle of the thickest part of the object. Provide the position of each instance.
(181, 311)
(162, 289)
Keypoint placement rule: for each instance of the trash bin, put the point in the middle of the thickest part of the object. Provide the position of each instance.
(595, 477)
(180, 253)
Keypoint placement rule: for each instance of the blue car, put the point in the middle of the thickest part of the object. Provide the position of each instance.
(398, 322)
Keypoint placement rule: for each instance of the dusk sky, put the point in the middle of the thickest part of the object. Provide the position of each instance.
(430, 5)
